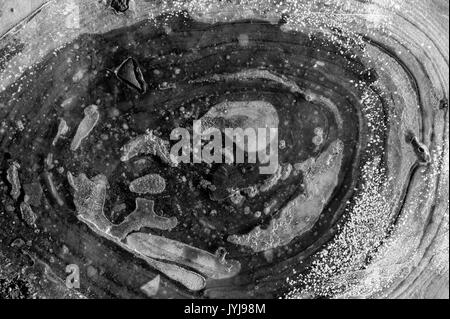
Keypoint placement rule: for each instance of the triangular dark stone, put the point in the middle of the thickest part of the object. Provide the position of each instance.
(130, 73)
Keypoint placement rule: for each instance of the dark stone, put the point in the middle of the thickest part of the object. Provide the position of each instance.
(120, 5)
(130, 73)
